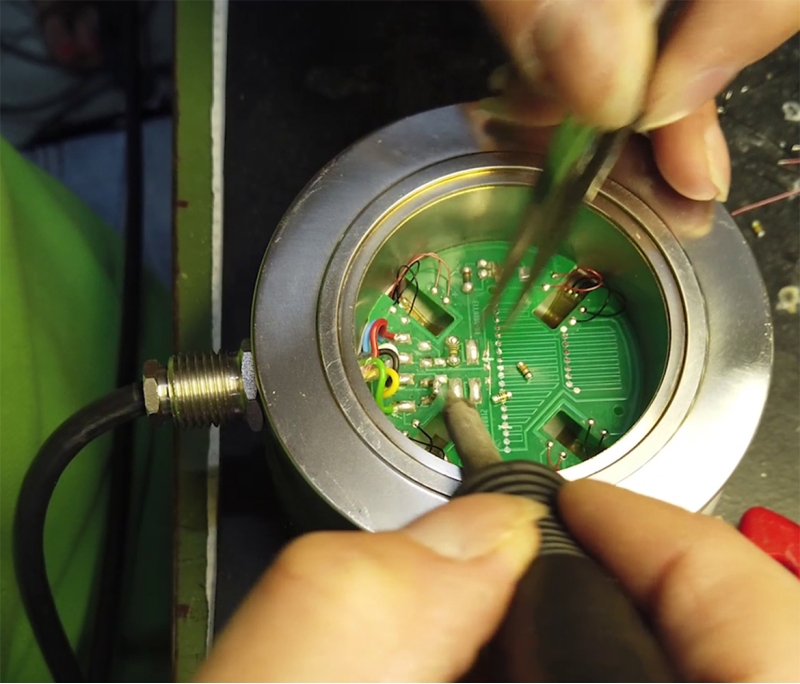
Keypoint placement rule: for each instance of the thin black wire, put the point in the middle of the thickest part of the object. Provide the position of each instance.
(27, 56)
(623, 303)
(400, 279)
(117, 408)
(431, 445)
(74, 104)
(68, 94)
(399, 275)
(393, 355)
(106, 619)
(430, 448)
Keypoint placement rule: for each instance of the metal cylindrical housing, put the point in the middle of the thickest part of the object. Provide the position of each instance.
(695, 294)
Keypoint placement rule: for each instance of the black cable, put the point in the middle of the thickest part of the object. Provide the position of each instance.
(119, 407)
(109, 596)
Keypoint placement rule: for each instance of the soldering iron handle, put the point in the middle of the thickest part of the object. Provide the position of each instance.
(569, 620)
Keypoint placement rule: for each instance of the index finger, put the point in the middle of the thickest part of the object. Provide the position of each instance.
(724, 610)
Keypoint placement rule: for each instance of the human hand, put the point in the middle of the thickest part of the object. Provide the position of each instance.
(594, 59)
(418, 604)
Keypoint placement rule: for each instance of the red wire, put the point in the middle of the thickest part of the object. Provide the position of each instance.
(549, 462)
(373, 338)
(383, 331)
(583, 290)
(765, 202)
(378, 328)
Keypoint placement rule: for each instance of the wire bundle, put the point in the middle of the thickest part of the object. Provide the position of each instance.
(396, 290)
(385, 377)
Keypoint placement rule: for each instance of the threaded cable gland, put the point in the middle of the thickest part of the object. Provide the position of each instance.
(205, 388)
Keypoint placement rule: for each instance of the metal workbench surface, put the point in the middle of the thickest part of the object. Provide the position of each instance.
(304, 80)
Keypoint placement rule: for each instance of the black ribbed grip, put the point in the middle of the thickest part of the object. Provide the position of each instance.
(569, 620)
(535, 482)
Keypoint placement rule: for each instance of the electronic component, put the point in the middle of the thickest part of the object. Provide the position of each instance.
(501, 397)
(524, 371)
(437, 383)
(402, 338)
(487, 269)
(457, 387)
(404, 407)
(564, 297)
(472, 353)
(758, 228)
(406, 379)
(453, 345)
(467, 285)
(474, 390)
(524, 274)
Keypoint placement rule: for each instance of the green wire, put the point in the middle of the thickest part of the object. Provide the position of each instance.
(380, 385)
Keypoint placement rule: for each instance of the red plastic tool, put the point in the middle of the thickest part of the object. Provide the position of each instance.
(777, 536)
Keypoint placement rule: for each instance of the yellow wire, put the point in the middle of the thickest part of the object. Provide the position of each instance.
(390, 391)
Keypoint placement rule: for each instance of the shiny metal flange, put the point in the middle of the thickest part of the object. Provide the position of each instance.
(707, 398)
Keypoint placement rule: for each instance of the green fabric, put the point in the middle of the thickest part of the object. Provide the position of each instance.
(60, 269)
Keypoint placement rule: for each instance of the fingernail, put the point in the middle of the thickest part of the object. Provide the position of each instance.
(500, 78)
(718, 165)
(477, 525)
(497, 108)
(676, 98)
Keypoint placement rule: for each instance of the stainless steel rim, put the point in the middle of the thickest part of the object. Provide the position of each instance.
(682, 450)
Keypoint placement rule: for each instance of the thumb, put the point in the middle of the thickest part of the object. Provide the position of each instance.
(411, 605)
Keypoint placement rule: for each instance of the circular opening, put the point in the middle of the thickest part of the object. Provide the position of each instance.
(576, 367)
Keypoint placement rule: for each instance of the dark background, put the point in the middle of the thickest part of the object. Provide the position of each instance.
(305, 80)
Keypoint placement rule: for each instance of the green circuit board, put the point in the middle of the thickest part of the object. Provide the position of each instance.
(578, 389)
